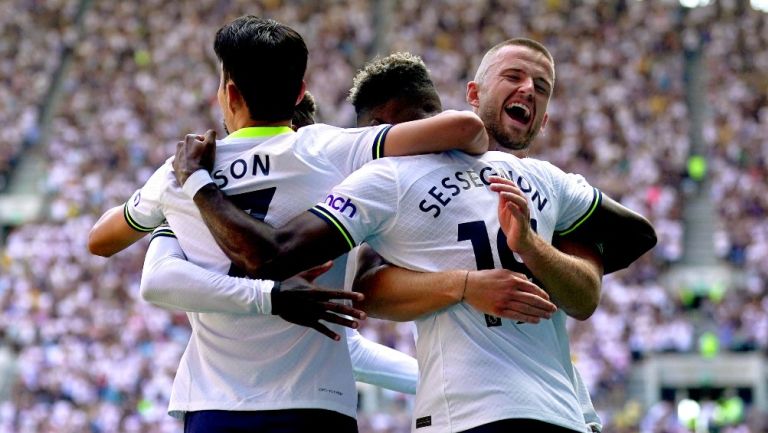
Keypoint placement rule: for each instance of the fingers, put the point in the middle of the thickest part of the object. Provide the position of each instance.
(210, 136)
(319, 327)
(532, 305)
(500, 180)
(315, 272)
(503, 184)
(337, 294)
(339, 320)
(529, 309)
(191, 138)
(507, 188)
(345, 310)
(522, 284)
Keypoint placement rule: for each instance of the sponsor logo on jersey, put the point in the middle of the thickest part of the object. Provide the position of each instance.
(424, 421)
(137, 199)
(342, 204)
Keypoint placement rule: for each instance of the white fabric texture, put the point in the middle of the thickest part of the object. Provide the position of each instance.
(250, 361)
(435, 212)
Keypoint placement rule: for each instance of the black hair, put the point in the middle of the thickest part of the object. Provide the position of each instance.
(266, 60)
(304, 114)
(399, 75)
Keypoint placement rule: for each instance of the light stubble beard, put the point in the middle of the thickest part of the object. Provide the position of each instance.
(503, 139)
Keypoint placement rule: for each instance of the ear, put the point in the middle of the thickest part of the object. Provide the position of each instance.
(544, 122)
(234, 97)
(472, 97)
(301, 92)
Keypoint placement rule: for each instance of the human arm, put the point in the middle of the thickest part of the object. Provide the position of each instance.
(112, 234)
(379, 365)
(449, 130)
(572, 277)
(399, 294)
(170, 281)
(240, 236)
(121, 226)
(620, 234)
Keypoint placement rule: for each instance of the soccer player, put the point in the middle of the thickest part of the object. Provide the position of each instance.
(258, 372)
(397, 87)
(479, 373)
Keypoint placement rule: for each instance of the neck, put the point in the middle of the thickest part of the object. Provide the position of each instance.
(494, 145)
(243, 120)
(252, 123)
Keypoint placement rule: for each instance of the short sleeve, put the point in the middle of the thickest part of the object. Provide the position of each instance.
(346, 150)
(143, 211)
(364, 205)
(578, 201)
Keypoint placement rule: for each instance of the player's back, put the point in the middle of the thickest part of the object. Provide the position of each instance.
(260, 362)
(435, 212)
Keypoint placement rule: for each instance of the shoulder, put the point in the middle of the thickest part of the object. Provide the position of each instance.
(314, 138)
(163, 176)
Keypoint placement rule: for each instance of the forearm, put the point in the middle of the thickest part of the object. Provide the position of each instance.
(572, 281)
(402, 295)
(382, 366)
(449, 130)
(248, 242)
(170, 281)
(623, 235)
(111, 234)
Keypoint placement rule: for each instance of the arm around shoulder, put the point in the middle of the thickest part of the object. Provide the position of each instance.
(449, 130)
(621, 234)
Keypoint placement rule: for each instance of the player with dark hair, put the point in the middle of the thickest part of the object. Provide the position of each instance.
(251, 369)
(478, 373)
(393, 89)
(269, 78)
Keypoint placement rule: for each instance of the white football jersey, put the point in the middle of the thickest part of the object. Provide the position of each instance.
(435, 212)
(259, 362)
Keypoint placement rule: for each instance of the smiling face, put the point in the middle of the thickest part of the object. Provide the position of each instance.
(511, 94)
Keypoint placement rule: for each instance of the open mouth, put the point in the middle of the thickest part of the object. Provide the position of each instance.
(518, 112)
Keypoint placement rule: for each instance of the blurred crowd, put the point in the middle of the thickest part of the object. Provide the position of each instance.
(82, 352)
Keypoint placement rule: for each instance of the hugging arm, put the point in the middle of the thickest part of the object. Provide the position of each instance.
(262, 251)
(572, 275)
(170, 281)
(399, 294)
(620, 234)
(252, 244)
(380, 365)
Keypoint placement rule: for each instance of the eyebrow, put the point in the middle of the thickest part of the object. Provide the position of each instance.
(535, 79)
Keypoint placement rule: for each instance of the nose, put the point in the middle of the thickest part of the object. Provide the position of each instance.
(526, 86)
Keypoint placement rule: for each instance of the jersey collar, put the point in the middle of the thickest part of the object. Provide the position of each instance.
(260, 131)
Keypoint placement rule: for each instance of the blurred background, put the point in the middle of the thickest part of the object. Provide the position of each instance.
(662, 104)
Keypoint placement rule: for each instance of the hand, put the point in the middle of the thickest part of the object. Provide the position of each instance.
(311, 274)
(503, 293)
(296, 301)
(194, 153)
(514, 214)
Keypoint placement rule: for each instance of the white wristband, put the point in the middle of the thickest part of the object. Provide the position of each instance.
(266, 295)
(199, 179)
